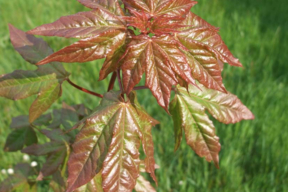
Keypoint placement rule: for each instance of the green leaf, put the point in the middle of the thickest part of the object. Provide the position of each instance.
(44, 101)
(143, 185)
(226, 108)
(92, 142)
(20, 137)
(199, 130)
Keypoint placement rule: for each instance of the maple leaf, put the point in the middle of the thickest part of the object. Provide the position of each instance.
(160, 59)
(188, 113)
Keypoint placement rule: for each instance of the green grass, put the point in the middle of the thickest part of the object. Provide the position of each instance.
(254, 153)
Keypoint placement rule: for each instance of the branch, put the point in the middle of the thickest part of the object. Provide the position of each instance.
(119, 80)
(84, 90)
(112, 81)
(140, 88)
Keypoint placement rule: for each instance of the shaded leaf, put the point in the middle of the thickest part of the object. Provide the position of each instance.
(112, 5)
(81, 25)
(99, 46)
(211, 40)
(45, 81)
(20, 137)
(19, 180)
(199, 130)
(143, 185)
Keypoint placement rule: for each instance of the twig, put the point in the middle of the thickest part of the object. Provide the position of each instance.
(84, 90)
(119, 80)
(140, 88)
(112, 81)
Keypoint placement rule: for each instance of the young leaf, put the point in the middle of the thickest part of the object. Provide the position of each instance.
(121, 165)
(193, 20)
(112, 5)
(156, 8)
(161, 59)
(81, 25)
(92, 142)
(143, 185)
(174, 8)
(199, 130)
(146, 122)
(101, 45)
(205, 66)
(226, 108)
(211, 40)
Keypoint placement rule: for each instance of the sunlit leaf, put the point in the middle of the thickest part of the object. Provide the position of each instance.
(211, 40)
(143, 185)
(226, 108)
(199, 130)
(112, 5)
(92, 142)
(81, 25)
(97, 47)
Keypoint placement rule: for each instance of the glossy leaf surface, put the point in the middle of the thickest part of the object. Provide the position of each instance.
(226, 108)
(92, 142)
(199, 130)
(99, 46)
(143, 185)
(209, 37)
(80, 25)
(112, 5)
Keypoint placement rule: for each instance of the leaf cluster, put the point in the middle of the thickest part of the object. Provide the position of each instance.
(163, 42)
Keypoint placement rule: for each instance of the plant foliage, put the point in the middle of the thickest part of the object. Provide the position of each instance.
(99, 150)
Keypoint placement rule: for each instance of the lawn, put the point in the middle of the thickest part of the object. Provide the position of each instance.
(254, 155)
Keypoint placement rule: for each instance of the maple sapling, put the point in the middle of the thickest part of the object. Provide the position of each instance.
(173, 48)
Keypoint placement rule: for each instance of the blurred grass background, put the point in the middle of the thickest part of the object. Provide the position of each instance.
(254, 155)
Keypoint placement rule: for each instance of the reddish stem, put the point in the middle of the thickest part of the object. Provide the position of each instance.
(119, 80)
(84, 90)
(140, 88)
(112, 81)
